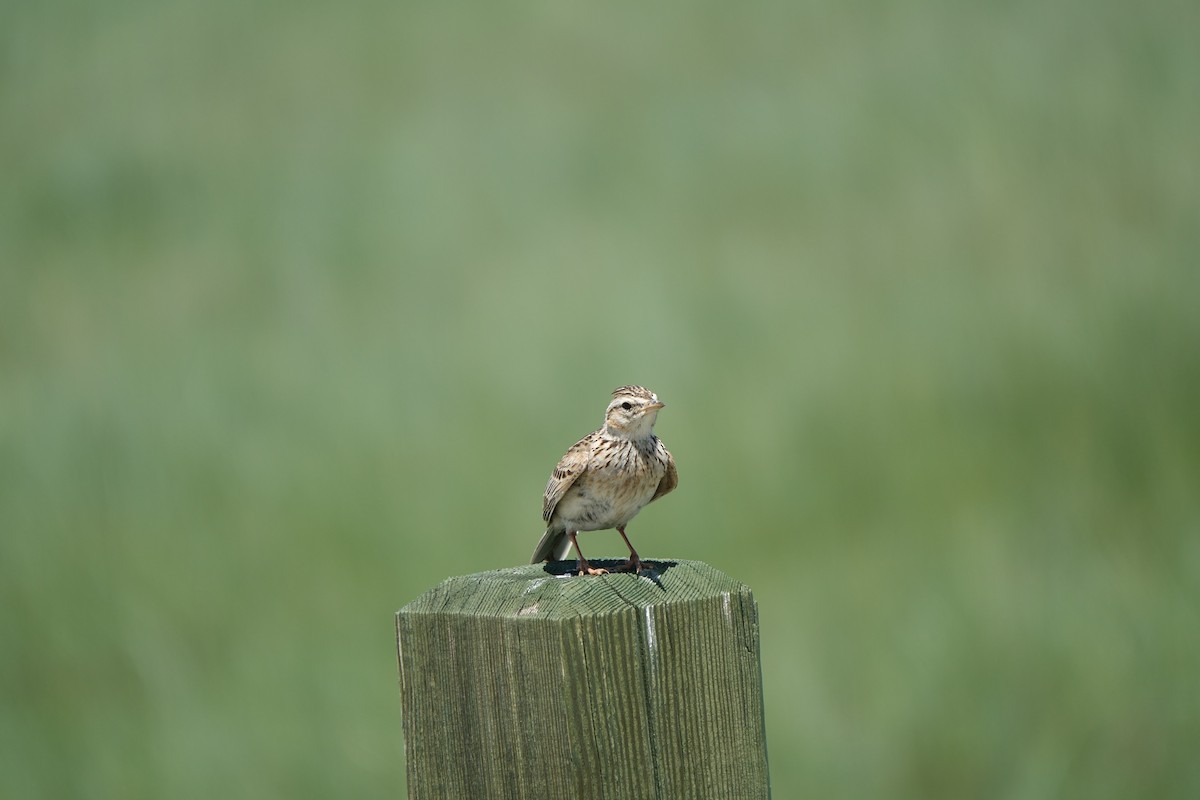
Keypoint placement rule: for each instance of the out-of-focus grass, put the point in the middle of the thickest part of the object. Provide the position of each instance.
(299, 304)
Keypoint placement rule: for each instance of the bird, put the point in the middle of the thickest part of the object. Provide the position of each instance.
(606, 478)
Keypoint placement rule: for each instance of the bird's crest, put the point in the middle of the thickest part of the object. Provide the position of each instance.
(633, 391)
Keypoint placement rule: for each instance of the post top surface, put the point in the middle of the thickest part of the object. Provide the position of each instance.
(546, 591)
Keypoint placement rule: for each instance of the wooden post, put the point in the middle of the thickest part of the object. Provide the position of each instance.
(523, 683)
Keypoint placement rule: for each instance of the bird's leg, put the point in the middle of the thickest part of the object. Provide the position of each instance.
(584, 567)
(634, 564)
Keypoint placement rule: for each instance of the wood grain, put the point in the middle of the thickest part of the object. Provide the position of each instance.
(520, 683)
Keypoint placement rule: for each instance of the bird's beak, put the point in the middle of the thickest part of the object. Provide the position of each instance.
(655, 406)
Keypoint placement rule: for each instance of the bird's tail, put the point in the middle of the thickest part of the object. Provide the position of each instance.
(554, 546)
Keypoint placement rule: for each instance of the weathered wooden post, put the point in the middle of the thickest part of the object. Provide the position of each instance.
(519, 683)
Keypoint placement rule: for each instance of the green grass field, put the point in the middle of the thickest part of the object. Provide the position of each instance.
(300, 303)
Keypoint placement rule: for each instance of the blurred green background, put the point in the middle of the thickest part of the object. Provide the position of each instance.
(301, 302)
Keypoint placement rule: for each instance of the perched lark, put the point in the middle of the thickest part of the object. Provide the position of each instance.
(606, 477)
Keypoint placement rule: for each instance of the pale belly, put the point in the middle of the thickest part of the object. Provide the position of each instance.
(600, 504)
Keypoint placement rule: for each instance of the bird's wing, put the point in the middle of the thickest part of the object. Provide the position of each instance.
(569, 468)
(670, 479)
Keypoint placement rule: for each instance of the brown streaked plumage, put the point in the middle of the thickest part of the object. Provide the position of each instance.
(606, 478)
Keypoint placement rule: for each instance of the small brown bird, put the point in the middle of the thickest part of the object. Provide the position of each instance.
(606, 478)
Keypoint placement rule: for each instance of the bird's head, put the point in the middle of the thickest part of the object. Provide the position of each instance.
(632, 412)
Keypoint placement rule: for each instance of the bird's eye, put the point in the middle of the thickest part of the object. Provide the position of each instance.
(626, 406)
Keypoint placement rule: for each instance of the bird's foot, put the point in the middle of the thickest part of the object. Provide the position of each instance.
(636, 566)
(587, 569)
